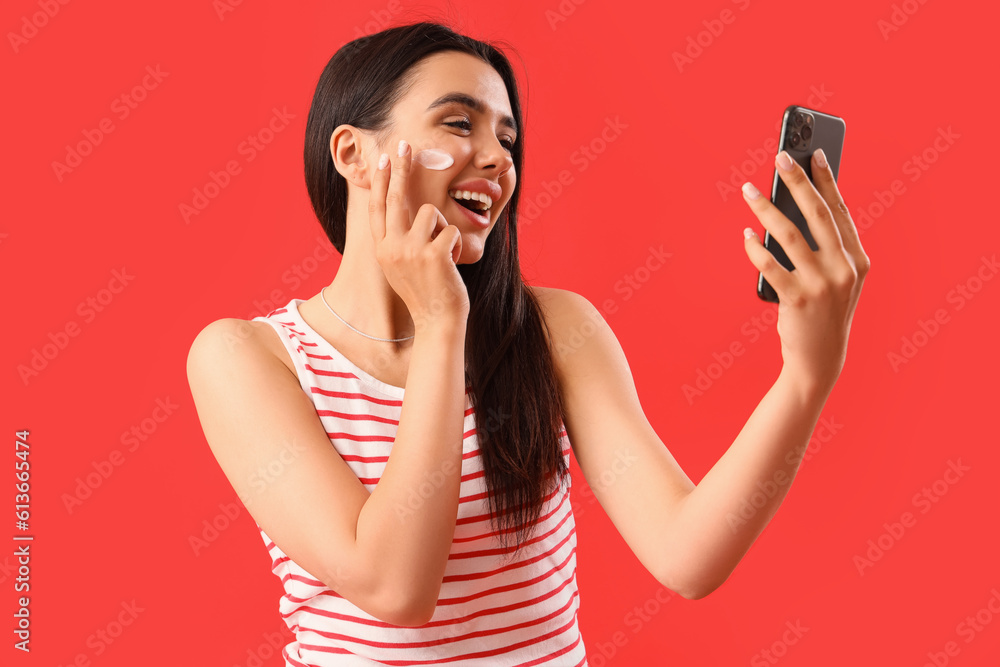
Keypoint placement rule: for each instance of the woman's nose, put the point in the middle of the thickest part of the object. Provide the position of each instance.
(495, 155)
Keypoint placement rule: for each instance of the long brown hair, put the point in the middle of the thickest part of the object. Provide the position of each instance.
(514, 387)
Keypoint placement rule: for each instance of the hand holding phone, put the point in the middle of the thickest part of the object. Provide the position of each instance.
(819, 293)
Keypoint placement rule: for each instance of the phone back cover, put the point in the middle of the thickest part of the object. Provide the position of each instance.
(828, 134)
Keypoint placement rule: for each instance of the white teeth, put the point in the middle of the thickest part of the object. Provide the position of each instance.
(486, 202)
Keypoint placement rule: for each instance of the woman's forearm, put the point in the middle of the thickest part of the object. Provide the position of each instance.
(723, 515)
(406, 527)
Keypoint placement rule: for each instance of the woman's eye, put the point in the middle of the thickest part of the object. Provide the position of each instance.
(466, 125)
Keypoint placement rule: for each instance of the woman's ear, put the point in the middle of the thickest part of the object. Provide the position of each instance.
(347, 145)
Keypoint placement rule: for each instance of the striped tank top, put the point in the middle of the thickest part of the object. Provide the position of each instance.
(488, 614)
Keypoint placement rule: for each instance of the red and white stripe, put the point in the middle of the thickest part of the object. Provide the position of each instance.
(488, 614)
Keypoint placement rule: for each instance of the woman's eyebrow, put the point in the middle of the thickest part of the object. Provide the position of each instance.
(472, 103)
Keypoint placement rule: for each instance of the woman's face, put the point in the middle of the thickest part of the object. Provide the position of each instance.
(478, 140)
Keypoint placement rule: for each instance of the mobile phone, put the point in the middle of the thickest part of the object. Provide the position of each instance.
(802, 132)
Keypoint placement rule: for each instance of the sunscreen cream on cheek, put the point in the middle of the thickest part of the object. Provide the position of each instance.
(434, 158)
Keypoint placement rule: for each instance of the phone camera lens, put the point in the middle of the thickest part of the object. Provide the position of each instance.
(807, 132)
(797, 119)
(795, 140)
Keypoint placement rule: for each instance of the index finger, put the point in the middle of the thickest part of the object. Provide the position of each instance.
(811, 203)
(397, 212)
(376, 199)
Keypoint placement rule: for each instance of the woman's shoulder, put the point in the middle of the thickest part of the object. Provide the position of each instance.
(228, 338)
(562, 307)
(549, 297)
(570, 319)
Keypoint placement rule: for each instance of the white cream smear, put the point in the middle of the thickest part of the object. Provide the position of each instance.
(434, 158)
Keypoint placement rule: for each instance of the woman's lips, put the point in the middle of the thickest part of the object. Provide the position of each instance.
(478, 219)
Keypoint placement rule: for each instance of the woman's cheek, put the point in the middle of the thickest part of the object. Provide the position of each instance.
(509, 181)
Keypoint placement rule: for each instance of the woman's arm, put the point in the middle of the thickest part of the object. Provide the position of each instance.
(383, 551)
(692, 537)
(406, 529)
(732, 504)
(736, 499)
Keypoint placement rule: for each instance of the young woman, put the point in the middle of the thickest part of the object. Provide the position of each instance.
(438, 527)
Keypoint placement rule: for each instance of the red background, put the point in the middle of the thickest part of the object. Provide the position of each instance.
(656, 184)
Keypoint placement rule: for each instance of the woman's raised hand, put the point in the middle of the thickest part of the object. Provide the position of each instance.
(418, 256)
(817, 299)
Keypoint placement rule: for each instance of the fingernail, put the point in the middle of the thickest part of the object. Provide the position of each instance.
(383, 160)
(748, 233)
(784, 161)
(820, 158)
(750, 190)
(403, 146)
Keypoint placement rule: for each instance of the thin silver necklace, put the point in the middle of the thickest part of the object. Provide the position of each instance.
(384, 340)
